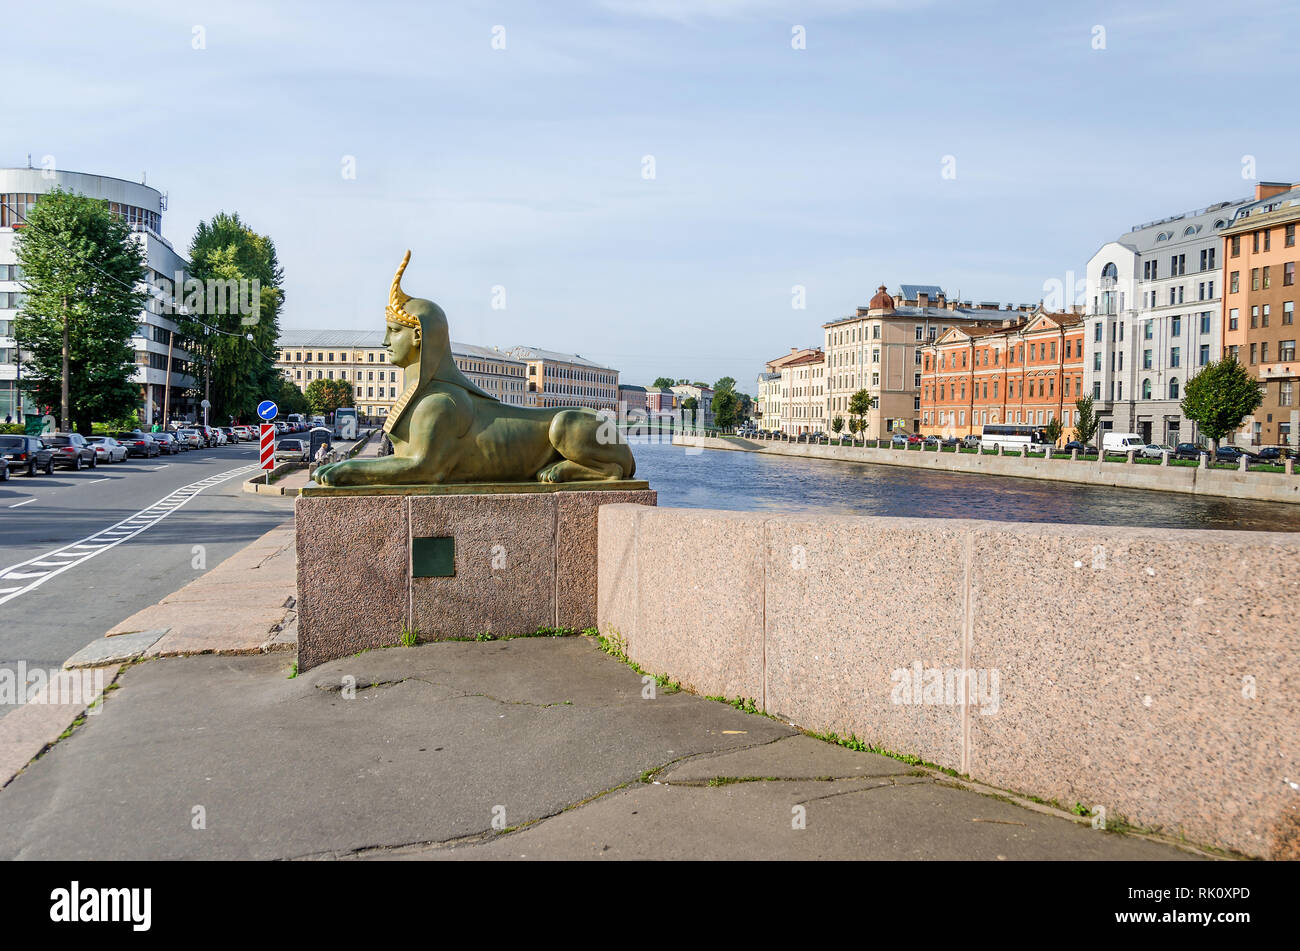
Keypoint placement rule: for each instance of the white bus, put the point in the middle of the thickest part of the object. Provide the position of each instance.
(345, 422)
(1013, 437)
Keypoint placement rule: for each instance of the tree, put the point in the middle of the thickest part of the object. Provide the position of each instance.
(665, 382)
(83, 300)
(1053, 430)
(855, 426)
(725, 406)
(726, 383)
(859, 409)
(325, 396)
(1085, 420)
(837, 425)
(1219, 397)
(242, 296)
(289, 399)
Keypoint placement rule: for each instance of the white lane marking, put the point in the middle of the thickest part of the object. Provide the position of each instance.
(23, 502)
(92, 545)
(93, 481)
(163, 466)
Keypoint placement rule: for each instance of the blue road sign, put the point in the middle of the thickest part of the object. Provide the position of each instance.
(267, 410)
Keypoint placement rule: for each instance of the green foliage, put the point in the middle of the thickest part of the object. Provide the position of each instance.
(837, 425)
(325, 396)
(726, 383)
(81, 272)
(690, 403)
(1085, 420)
(859, 407)
(288, 398)
(1220, 397)
(665, 382)
(242, 372)
(725, 408)
(1053, 429)
(409, 637)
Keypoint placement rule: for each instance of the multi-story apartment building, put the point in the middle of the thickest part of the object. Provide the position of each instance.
(803, 394)
(633, 400)
(769, 401)
(360, 358)
(661, 403)
(703, 396)
(1155, 317)
(567, 379)
(1027, 371)
(878, 349)
(163, 372)
(357, 356)
(1260, 254)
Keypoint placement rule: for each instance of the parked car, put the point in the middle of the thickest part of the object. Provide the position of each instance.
(4, 469)
(289, 450)
(971, 442)
(107, 449)
(1082, 448)
(72, 450)
(1155, 450)
(245, 432)
(168, 444)
(915, 439)
(1233, 454)
(138, 444)
(1188, 450)
(27, 452)
(952, 442)
(192, 438)
(1271, 454)
(898, 439)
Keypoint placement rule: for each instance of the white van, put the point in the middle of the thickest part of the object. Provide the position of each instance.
(1121, 443)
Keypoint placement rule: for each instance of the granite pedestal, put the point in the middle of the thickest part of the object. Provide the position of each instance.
(446, 561)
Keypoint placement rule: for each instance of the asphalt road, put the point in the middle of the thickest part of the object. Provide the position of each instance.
(91, 548)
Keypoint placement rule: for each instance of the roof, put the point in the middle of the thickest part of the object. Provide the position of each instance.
(553, 356)
(359, 339)
(632, 386)
(482, 353)
(913, 291)
(1276, 207)
(908, 312)
(1168, 232)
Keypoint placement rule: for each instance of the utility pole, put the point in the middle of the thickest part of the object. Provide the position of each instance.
(207, 371)
(167, 382)
(63, 408)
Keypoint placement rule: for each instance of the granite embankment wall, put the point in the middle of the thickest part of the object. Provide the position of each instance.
(1229, 483)
(1148, 672)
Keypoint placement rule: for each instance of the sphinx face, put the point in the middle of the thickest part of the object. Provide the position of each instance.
(403, 344)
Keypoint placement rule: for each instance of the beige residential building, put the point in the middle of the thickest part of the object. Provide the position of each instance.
(879, 347)
(567, 379)
(360, 358)
(803, 394)
(770, 401)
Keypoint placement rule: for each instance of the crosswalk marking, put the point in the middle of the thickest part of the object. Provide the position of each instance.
(90, 546)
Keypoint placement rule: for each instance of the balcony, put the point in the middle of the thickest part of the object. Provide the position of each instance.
(1289, 370)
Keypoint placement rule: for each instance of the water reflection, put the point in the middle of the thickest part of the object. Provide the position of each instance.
(754, 482)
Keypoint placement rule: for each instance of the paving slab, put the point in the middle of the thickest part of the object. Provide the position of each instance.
(794, 757)
(41, 721)
(408, 751)
(114, 650)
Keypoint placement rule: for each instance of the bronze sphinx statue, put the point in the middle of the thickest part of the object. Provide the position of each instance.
(444, 429)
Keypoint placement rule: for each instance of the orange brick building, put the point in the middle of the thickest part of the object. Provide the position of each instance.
(1260, 257)
(1025, 372)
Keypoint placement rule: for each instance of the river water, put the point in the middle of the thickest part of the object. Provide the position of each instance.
(749, 481)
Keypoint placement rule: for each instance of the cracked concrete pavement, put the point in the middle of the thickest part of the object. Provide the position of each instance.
(413, 752)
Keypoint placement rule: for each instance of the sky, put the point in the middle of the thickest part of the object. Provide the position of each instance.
(649, 182)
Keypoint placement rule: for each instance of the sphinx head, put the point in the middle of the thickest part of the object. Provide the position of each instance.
(415, 325)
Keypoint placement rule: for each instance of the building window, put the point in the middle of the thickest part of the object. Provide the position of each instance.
(1288, 273)
(1233, 316)
(1148, 329)
(1286, 350)
(1174, 356)
(1205, 322)
(1266, 273)
(1288, 312)
(1289, 240)
(1254, 349)
(1096, 361)
(1254, 316)
(1173, 389)
(1096, 332)
(1284, 393)
(1234, 282)
(1096, 389)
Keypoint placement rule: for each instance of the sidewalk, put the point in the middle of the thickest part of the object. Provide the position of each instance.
(539, 748)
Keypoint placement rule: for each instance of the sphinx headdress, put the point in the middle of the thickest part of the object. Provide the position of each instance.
(397, 298)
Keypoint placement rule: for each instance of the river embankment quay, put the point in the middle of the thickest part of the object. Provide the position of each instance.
(1254, 485)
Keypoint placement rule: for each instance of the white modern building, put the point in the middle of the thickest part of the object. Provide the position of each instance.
(142, 208)
(1154, 318)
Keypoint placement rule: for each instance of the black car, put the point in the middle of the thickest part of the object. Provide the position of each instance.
(1187, 450)
(168, 445)
(1270, 454)
(1233, 454)
(1083, 449)
(138, 444)
(27, 452)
